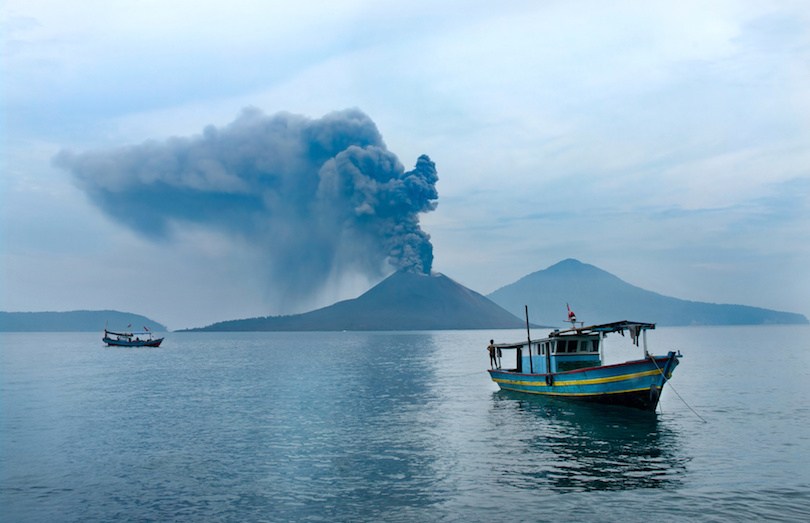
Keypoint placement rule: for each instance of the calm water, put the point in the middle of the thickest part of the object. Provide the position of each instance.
(393, 427)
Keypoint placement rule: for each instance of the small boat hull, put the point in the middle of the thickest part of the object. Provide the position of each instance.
(132, 343)
(635, 384)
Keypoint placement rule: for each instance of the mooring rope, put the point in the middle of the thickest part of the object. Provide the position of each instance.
(676, 392)
(467, 374)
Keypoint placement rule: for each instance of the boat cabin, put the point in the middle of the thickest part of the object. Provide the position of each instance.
(558, 354)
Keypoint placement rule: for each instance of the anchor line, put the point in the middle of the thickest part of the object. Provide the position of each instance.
(676, 392)
(468, 374)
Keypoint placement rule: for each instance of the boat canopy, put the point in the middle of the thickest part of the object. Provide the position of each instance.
(128, 334)
(606, 328)
(635, 328)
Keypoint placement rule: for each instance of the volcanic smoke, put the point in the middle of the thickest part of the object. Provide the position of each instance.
(316, 197)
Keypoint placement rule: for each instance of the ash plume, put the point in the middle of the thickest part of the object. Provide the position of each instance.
(317, 197)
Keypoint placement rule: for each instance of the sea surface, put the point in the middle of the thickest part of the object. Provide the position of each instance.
(386, 426)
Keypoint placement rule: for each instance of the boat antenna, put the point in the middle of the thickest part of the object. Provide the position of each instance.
(529, 335)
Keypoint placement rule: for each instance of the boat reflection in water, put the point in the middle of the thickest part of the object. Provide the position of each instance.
(569, 446)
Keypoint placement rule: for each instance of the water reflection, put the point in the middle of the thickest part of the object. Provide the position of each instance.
(361, 438)
(568, 446)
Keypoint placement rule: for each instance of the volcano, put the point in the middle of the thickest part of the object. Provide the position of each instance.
(403, 301)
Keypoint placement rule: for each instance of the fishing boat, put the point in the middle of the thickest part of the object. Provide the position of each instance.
(131, 339)
(569, 364)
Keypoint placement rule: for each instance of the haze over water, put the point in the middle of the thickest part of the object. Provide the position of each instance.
(393, 427)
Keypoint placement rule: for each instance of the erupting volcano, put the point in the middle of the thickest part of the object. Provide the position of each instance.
(403, 301)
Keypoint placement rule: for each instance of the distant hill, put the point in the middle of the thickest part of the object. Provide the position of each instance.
(74, 321)
(403, 301)
(597, 296)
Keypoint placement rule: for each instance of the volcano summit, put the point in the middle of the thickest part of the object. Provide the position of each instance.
(406, 300)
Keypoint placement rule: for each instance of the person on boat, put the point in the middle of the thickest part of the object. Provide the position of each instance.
(493, 355)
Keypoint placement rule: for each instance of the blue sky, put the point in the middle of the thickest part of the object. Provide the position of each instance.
(665, 142)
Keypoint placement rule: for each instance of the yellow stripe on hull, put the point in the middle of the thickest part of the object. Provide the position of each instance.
(592, 381)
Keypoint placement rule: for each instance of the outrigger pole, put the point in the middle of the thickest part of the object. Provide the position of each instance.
(529, 336)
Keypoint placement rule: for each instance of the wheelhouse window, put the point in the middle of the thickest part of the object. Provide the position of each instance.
(571, 346)
(589, 346)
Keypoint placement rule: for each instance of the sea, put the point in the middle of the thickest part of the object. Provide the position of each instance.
(394, 426)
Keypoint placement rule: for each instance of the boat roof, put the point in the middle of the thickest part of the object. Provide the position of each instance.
(605, 328)
(127, 334)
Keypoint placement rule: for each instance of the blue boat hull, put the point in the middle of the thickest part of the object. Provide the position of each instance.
(132, 343)
(637, 384)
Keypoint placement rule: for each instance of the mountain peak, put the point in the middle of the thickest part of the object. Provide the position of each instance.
(568, 262)
(573, 266)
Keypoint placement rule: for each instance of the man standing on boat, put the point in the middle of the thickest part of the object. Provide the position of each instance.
(493, 355)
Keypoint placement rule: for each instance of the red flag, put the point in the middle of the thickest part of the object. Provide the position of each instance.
(571, 315)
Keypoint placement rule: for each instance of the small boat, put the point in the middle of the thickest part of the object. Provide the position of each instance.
(568, 364)
(130, 339)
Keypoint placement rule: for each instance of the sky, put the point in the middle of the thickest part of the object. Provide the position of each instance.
(665, 142)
